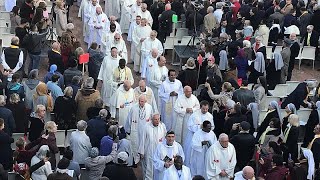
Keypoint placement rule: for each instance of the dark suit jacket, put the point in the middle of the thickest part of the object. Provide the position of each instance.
(316, 152)
(5, 150)
(313, 39)
(165, 21)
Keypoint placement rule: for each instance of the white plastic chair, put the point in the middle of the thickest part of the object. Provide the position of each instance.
(16, 136)
(269, 52)
(304, 114)
(262, 115)
(309, 53)
(278, 49)
(181, 32)
(292, 85)
(185, 40)
(60, 138)
(269, 99)
(280, 90)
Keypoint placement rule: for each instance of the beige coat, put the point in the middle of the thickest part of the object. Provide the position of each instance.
(263, 32)
(210, 22)
(61, 21)
(85, 99)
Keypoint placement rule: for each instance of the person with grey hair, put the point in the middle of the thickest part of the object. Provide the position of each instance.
(29, 87)
(80, 143)
(17, 107)
(97, 128)
(85, 98)
(92, 112)
(44, 171)
(65, 109)
(7, 116)
(210, 22)
(108, 140)
(12, 57)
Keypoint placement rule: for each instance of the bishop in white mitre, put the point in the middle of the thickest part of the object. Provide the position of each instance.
(98, 24)
(142, 89)
(129, 38)
(147, 45)
(125, 14)
(184, 107)
(156, 75)
(201, 141)
(194, 124)
(153, 134)
(221, 159)
(178, 171)
(119, 43)
(121, 102)
(164, 155)
(89, 12)
(144, 13)
(105, 76)
(112, 8)
(149, 63)
(168, 94)
(139, 115)
(139, 35)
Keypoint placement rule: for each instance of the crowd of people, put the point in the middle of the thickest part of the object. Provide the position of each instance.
(199, 123)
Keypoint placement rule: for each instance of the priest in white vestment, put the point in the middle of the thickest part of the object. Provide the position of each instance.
(184, 107)
(194, 124)
(200, 143)
(129, 38)
(139, 115)
(135, 9)
(157, 73)
(113, 20)
(221, 159)
(142, 89)
(164, 155)
(154, 133)
(149, 63)
(178, 171)
(146, 48)
(98, 24)
(141, 33)
(121, 102)
(106, 75)
(89, 12)
(112, 8)
(144, 13)
(119, 43)
(168, 94)
(107, 38)
(126, 15)
(122, 73)
(247, 173)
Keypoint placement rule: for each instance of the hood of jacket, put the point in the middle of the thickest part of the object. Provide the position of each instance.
(32, 83)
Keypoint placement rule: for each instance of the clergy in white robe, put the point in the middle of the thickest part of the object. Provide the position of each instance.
(129, 38)
(89, 12)
(135, 9)
(121, 74)
(154, 133)
(82, 7)
(139, 35)
(178, 171)
(201, 141)
(113, 20)
(149, 63)
(144, 13)
(98, 24)
(119, 43)
(156, 73)
(105, 76)
(107, 38)
(112, 8)
(139, 115)
(168, 94)
(125, 15)
(221, 159)
(164, 155)
(142, 89)
(146, 48)
(194, 124)
(121, 102)
(184, 107)
(247, 173)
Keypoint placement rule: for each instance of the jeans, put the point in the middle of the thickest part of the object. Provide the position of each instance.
(34, 62)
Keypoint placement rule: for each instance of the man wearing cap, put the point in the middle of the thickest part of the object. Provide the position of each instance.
(178, 171)
(164, 155)
(243, 142)
(285, 53)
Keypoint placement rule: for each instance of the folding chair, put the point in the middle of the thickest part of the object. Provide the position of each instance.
(309, 53)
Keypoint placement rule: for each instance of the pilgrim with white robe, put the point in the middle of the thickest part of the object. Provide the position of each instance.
(144, 13)
(121, 74)
(154, 133)
(121, 102)
(220, 159)
(138, 116)
(165, 153)
(149, 63)
(98, 24)
(125, 14)
(201, 141)
(184, 107)
(106, 75)
(142, 89)
(119, 43)
(89, 12)
(139, 35)
(173, 173)
(168, 94)
(112, 8)
(194, 124)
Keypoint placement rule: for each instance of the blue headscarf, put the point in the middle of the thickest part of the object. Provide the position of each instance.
(53, 68)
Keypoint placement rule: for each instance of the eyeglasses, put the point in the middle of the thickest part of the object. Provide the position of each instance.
(117, 38)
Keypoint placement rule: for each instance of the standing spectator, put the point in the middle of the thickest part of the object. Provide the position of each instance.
(97, 128)
(189, 74)
(93, 112)
(37, 123)
(17, 107)
(285, 53)
(49, 138)
(304, 21)
(5, 147)
(243, 95)
(287, 7)
(313, 120)
(80, 143)
(233, 116)
(274, 69)
(52, 71)
(12, 57)
(108, 140)
(15, 86)
(21, 31)
(274, 33)
(242, 64)
(71, 72)
(27, 10)
(7, 116)
(315, 146)
(75, 85)
(15, 19)
(44, 98)
(65, 110)
(44, 171)
(61, 18)
(73, 165)
(55, 57)
(53, 87)
(29, 87)
(62, 171)
(258, 68)
(278, 171)
(69, 3)
(165, 23)
(294, 49)
(291, 135)
(66, 47)
(95, 61)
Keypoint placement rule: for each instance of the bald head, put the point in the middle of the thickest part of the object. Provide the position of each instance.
(154, 52)
(224, 140)
(187, 91)
(142, 100)
(126, 85)
(144, 7)
(248, 172)
(117, 37)
(112, 18)
(168, 7)
(56, 46)
(142, 85)
(15, 41)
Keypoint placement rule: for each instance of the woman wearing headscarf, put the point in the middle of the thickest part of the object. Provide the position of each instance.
(313, 120)
(260, 92)
(242, 64)
(257, 68)
(42, 97)
(298, 97)
(53, 70)
(273, 112)
(44, 171)
(253, 116)
(290, 109)
(272, 133)
(29, 87)
(290, 140)
(274, 70)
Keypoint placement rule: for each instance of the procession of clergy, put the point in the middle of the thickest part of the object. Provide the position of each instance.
(186, 125)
